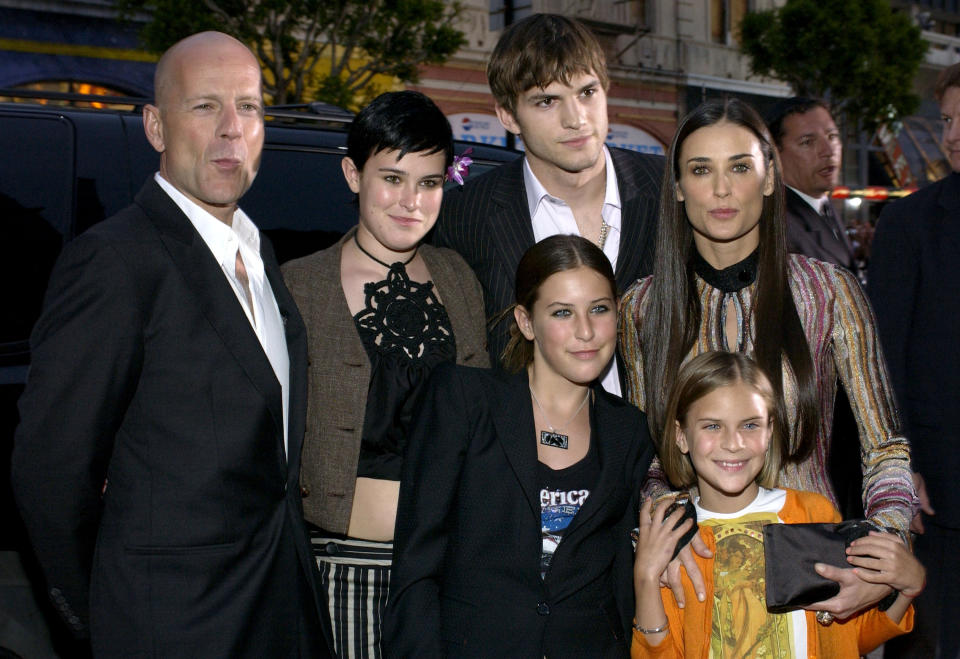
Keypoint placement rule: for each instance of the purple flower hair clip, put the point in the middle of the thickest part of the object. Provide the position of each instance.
(460, 168)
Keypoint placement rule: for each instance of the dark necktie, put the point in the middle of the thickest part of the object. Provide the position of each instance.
(840, 233)
(830, 219)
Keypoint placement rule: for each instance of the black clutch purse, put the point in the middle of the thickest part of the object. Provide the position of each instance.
(790, 551)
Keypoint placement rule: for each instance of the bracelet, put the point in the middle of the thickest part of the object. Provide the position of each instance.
(656, 630)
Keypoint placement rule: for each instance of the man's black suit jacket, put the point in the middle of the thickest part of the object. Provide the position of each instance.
(488, 222)
(466, 580)
(915, 290)
(809, 234)
(149, 464)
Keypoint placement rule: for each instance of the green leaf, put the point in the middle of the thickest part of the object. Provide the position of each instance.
(862, 56)
(351, 39)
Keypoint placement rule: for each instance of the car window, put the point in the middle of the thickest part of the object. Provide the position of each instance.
(300, 189)
(36, 211)
(300, 200)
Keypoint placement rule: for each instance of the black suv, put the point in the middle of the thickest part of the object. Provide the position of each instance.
(64, 168)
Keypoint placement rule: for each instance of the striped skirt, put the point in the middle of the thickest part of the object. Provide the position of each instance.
(355, 575)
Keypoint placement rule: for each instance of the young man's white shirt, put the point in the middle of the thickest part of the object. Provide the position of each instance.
(552, 216)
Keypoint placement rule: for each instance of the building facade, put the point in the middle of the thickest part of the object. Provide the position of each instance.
(919, 138)
(73, 46)
(664, 56)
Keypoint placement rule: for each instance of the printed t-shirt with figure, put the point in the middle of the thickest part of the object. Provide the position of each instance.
(742, 628)
(562, 493)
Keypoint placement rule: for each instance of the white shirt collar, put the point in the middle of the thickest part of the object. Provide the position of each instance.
(222, 240)
(261, 308)
(550, 216)
(816, 203)
(767, 500)
(537, 194)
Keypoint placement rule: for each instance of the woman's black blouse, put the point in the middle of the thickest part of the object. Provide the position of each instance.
(406, 332)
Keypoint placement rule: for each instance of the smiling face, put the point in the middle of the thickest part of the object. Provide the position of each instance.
(950, 114)
(810, 152)
(399, 200)
(208, 121)
(563, 126)
(573, 325)
(723, 180)
(726, 433)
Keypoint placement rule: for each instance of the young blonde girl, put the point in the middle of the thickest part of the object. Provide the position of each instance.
(723, 437)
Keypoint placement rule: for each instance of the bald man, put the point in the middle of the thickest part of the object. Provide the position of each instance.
(156, 464)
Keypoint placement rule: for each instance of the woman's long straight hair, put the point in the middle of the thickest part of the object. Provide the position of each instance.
(672, 319)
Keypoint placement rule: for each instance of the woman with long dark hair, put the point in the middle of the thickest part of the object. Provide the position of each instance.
(723, 281)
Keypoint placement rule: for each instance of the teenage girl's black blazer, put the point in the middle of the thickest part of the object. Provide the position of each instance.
(466, 579)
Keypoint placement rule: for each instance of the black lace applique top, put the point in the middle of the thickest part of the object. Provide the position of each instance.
(406, 332)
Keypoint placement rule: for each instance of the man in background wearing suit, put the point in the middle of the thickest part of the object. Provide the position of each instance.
(548, 76)
(810, 153)
(915, 290)
(157, 461)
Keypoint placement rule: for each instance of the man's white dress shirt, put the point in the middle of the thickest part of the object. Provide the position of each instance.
(224, 242)
(551, 216)
(816, 203)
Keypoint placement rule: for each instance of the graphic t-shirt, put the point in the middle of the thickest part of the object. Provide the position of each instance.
(562, 493)
(742, 627)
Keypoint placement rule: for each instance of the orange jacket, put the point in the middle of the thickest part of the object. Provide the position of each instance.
(689, 634)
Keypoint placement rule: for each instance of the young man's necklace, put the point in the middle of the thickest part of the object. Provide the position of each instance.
(604, 227)
(555, 437)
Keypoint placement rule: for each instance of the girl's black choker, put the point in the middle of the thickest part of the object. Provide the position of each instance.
(730, 279)
(385, 265)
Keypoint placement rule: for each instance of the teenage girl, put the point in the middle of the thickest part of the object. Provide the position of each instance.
(520, 489)
(382, 309)
(724, 438)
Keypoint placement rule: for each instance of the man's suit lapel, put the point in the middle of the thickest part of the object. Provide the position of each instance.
(636, 206)
(513, 421)
(215, 298)
(816, 226)
(799, 209)
(296, 335)
(511, 227)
